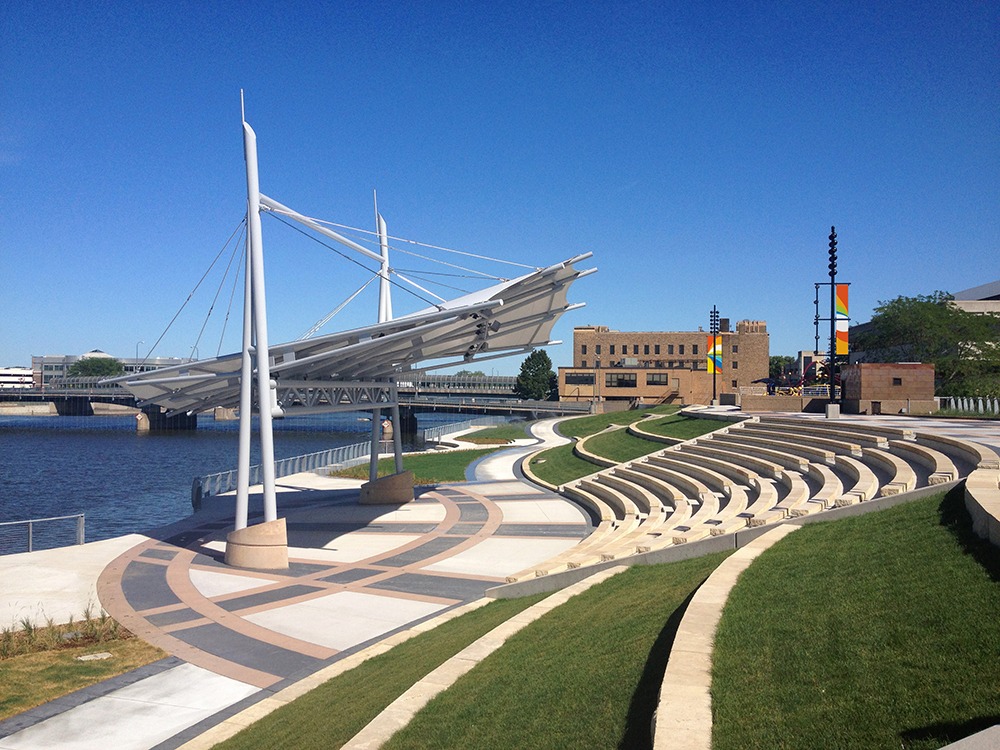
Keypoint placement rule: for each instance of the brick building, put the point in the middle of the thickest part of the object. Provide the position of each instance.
(652, 367)
(888, 388)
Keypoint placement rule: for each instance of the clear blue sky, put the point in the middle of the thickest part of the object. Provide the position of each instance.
(701, 151)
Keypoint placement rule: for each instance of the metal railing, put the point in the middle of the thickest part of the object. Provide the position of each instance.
(48, 538)
(334, 458)
(981, 405)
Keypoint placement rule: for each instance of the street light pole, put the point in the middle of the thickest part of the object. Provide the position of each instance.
(137, 343)
(713, 327)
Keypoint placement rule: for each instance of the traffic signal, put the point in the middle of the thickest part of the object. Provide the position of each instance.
(833, 252)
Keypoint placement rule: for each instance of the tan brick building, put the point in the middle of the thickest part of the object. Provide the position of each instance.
(888, 388)
(660, 366)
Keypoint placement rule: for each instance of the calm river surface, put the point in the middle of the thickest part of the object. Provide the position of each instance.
(126, 482)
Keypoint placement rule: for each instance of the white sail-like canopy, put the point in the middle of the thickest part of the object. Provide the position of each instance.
(507, 318)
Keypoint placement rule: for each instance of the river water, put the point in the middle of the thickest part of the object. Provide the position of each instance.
(127, 482)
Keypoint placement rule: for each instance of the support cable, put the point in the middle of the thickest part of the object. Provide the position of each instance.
(239, 228)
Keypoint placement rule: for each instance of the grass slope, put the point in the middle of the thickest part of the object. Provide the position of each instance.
(330, 715)
(586, 675)
(879, 631)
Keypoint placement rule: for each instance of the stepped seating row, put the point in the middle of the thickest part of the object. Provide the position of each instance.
(756, 472)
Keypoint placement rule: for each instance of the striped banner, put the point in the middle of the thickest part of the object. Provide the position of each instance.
(842, 319)
(714, 354)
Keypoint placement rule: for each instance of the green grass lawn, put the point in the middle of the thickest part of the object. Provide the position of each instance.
(560, 465)
(584, 426)
(503, 433)
(880, 631)
(427, 468)
(330, 715)
(586, 675)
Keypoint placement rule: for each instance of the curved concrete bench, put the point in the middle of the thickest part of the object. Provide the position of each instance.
(941, 467)
(796, 501)
(980, 456)
(683, 717)
(764, 508)
(696, 527)
(667, 495)
(830, 431)
(982, 500)
(902, 476)
(580, 451)
(864, 428)
(840, 447)
(866, 484)
(744, 464)
(763, 440)
(635, 429)
(691, 488)
(830, 486)
(626, 514)
(749, 447)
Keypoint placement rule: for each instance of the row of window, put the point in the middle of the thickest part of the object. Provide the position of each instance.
(646, 347)
(695, 364)
(621, 379)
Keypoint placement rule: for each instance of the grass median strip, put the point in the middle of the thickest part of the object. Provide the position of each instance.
(875, 631)
(586, 675)
(427, 468)
(330, 715)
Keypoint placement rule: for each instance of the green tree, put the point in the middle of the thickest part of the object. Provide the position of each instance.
(470, 374)
(95, 367)
(777, 364)
(964, 347)
(536, 380)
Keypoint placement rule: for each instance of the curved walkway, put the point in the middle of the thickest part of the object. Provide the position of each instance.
(358, 576)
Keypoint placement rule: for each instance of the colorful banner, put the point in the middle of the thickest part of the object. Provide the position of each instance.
(843, 320)
(714, 354)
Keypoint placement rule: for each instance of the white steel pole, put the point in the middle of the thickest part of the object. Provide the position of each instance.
(246, 417)
(384, 296)
(262, 356)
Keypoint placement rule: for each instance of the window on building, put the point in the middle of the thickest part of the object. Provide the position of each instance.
(670, 348)
(583, 349)
(736, 348)
(680, 348)
(734, 364)
(736, 384)
(635, 348)
(657, 378)
(897, 381)
(583, 363)
(656, 348)
(694, 348)
(597, 349)
(619, 380)
(645, 348)
(611, 349)
(579, 378)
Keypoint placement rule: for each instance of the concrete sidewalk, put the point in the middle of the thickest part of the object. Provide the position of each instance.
(357, 575)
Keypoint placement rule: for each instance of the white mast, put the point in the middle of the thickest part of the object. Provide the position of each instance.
(259, 304)
(384, 296)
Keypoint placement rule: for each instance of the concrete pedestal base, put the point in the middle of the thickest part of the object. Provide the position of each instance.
(263, 546)
(833, 411)
(394, 489)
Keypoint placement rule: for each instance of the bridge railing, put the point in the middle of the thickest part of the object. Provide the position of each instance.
(20, 536)
(334, 458)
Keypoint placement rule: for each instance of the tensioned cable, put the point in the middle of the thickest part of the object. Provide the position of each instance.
(350, 259)
(232, 296)
(322, 322)
(239, 228)
(423, 244)
(211, 308)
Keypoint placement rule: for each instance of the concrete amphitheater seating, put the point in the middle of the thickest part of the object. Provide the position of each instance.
(753, 472)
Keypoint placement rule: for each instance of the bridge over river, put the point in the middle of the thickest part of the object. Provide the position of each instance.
(465, 394)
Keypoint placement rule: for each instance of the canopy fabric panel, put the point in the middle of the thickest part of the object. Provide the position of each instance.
(509, 317)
